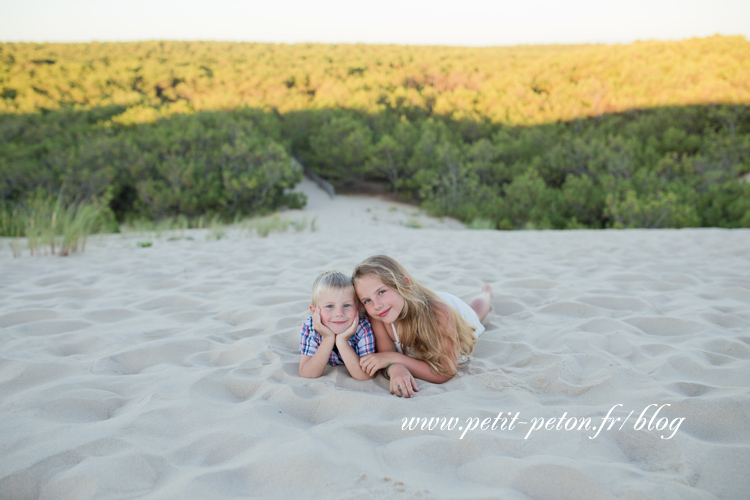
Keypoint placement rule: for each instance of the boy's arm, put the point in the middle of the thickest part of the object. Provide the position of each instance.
(312, 366)
(360, 330)
(351, 359)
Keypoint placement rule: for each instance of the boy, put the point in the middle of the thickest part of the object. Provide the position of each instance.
(335, 334)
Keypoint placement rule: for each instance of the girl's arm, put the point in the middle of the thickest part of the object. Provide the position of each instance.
(402, 382)
(418, 369)
(387, 353)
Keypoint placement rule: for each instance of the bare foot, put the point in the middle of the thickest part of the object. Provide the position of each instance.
(483, 303)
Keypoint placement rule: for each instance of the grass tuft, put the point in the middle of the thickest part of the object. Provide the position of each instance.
(51, 226)
(413, 223)
(481, 224)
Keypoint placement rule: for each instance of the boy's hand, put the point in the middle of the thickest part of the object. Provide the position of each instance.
(319, 326)
(347, 334)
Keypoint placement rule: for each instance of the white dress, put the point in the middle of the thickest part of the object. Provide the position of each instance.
(461, 307)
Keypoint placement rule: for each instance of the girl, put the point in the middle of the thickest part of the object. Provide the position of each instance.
(418, 333)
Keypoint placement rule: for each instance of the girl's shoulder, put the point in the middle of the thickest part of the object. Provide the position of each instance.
(442, 312)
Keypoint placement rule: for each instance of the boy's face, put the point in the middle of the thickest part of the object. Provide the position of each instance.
(338, 308)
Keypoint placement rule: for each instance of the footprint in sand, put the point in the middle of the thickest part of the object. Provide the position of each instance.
(537, 481)
(27, 316)
(649, 451)
(570, 309)
(52, 327)
(80, 405)
(658, 325)
(616, 303)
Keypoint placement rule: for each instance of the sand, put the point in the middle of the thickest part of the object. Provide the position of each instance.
(170, 371)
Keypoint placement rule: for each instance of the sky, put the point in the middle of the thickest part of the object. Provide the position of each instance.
(403, 22)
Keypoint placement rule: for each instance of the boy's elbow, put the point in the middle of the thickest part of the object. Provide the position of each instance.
(304, 374)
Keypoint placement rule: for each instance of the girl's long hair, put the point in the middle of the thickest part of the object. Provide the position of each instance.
(419, 326)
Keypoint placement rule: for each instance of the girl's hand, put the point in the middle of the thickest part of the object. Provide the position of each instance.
(319, 326)
(371, 363)
(402, 381)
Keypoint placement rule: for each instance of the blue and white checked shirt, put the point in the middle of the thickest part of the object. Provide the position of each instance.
(363, 341)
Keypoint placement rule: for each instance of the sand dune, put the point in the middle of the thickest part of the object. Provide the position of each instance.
(171, 371)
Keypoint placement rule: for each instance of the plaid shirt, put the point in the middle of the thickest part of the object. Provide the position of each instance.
(363, 341)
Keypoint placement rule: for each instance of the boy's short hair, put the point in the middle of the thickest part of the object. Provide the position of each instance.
(330, 280)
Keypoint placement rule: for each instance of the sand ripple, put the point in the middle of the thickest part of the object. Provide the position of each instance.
(171, 371)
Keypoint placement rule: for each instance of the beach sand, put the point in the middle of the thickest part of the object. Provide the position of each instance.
(170, 371)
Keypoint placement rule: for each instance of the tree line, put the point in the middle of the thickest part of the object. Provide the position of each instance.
(650, 134)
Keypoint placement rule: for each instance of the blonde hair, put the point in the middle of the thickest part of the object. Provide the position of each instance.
(331, 280)
(419, 326)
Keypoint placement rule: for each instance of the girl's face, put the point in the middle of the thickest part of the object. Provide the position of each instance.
(381, 302)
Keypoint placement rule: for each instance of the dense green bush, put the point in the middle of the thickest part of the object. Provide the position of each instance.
(609, 171)
(228, 164)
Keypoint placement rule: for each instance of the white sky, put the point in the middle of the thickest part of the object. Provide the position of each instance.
(423, 22)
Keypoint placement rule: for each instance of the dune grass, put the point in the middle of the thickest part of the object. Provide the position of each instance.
(47, 226)
(263, 226)
(51, 226)
(217, 228)
(479, 223)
